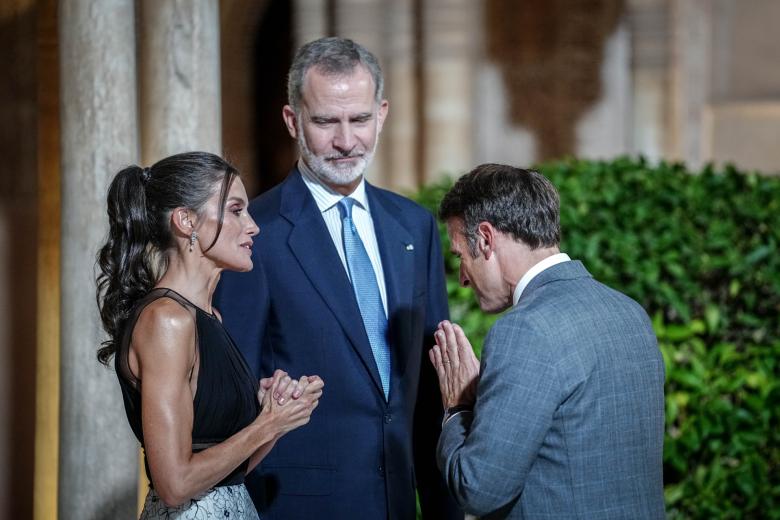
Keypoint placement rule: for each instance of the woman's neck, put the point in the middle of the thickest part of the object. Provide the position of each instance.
(193, 278)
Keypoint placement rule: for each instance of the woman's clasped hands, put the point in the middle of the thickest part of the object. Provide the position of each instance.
(288, 402)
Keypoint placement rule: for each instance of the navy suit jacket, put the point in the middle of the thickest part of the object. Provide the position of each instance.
(360, 455)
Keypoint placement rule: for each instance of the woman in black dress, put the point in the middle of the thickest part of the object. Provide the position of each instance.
(192, 402)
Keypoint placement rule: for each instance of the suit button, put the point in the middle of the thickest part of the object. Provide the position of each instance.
(381, 470)
(388, 418)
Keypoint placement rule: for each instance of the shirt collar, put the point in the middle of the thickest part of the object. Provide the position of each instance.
(324, 196)
(534, 271)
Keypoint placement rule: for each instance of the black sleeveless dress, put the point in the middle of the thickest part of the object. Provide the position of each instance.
(225, 402)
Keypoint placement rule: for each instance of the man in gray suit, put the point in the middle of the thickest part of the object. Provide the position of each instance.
(564, 416)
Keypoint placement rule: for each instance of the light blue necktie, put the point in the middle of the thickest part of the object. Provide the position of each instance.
(364, 283)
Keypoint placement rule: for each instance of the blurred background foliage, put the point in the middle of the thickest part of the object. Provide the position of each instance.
(699, 251)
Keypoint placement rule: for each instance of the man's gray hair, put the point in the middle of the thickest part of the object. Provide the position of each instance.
(331, 56)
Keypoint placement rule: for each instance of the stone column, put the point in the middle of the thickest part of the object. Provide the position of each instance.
(181, 102)
(741, 123)
(47, 328)
(180, 78)
(97, 474)
(649, 21)
(448, 75)
(18, 250)
(691, 77)
(364, 21)
(399, 137)
(310, 20)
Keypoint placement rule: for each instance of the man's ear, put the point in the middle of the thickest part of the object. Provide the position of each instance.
(486, 239)
(183, 221)
(381, 114)
(290, 121)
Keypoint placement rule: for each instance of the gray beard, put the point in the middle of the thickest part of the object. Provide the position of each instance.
(329, 173)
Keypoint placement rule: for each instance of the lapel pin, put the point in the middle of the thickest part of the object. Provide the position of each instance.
(409, 247)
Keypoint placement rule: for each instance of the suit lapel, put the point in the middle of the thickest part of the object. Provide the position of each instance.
(396, 248)
(311, 244)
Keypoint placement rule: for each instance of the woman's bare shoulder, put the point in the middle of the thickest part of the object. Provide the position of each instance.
(165, 327)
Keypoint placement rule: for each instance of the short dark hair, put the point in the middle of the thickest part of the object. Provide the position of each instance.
(522, 203)
(331, 56)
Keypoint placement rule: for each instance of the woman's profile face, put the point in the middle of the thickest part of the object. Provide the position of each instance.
(233, 249)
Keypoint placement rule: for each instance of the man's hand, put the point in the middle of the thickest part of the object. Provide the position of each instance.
(456, 365)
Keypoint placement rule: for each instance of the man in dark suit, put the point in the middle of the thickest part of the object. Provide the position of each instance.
(564, 417)
(348, 284)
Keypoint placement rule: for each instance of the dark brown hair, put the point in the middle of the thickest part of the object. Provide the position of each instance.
(140, 202)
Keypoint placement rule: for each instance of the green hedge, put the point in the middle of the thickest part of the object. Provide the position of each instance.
(699, 252)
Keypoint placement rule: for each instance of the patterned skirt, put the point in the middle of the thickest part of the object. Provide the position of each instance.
(226, 502)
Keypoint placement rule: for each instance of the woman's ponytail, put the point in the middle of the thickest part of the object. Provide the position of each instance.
(125, 261)
(140, 202)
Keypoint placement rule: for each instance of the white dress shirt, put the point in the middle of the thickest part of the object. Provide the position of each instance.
(534, 271)
(327, 202)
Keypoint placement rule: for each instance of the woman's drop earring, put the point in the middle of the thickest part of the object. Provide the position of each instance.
(193, 238)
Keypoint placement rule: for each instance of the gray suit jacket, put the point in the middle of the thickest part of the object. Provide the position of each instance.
(569, 417)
